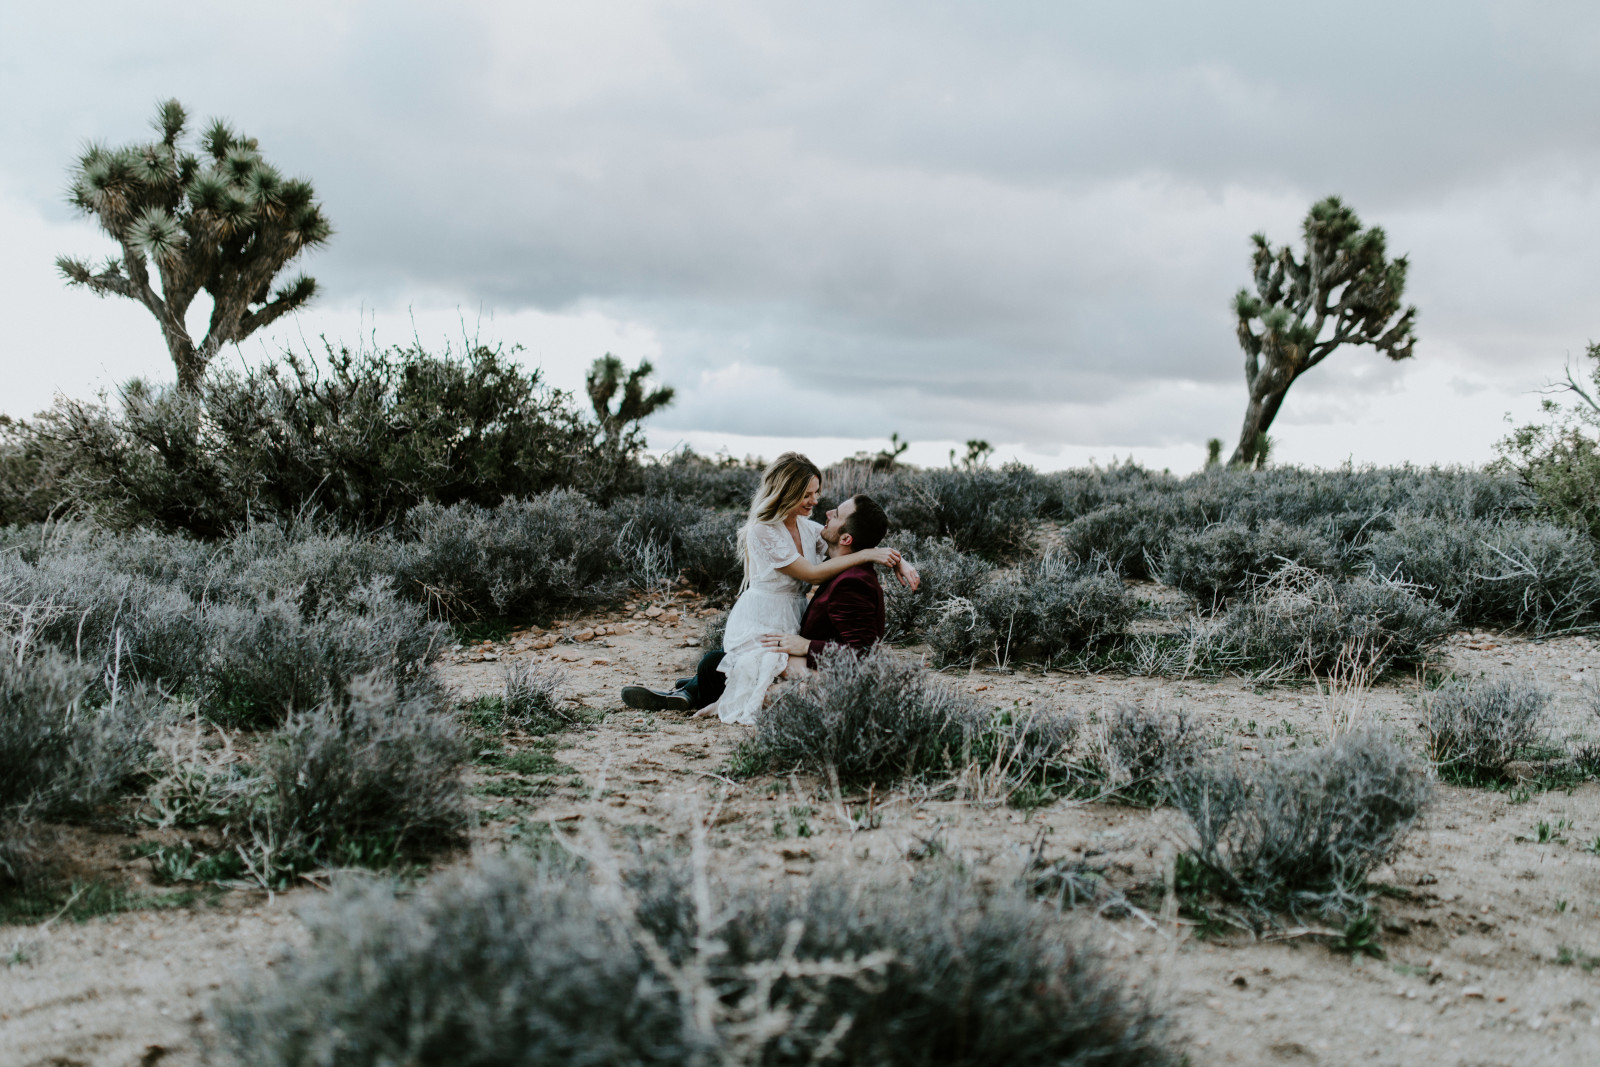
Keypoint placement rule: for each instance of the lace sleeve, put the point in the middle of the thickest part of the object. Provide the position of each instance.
(771, 546)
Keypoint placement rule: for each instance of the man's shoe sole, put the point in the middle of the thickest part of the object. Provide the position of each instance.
(637, 696)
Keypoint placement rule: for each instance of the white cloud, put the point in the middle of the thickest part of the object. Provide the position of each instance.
(1009, 221)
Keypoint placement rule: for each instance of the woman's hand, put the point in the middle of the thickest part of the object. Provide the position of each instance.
(886, 556)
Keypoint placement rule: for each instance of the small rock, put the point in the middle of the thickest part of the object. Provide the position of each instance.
(1475, 992)
(1240, 981)
(583, 635)
(691, 642)
(489, 657)
(653, 613)
(671, 617)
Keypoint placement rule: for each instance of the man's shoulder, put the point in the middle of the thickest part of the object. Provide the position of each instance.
(861, 573)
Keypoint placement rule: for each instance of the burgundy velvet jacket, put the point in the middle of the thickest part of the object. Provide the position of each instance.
(847, 609)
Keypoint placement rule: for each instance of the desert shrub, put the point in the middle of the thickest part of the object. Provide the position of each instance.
(1525, 575)
(1301, 830)
(1127, 536)
(1142, 749)
(707, 554)
(1020, 755)
(865, 718)
(524, 558)
(1304, 621)
(511, 964)
(1476, 728)
(709, 482)
(360, 436)
(659, 539)
(63, 751)
(1035, 613)
(989, 513)
(266, 660)
(946, 572)
(368, 772)
(533, 701)
(1559, 460)
(1219, 562)
(82, 605)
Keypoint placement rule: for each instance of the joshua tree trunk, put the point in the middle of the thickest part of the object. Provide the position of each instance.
(1266, 397)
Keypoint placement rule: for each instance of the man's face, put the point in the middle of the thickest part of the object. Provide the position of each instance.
(835, 526)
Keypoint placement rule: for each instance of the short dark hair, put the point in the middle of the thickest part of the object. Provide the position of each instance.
(867, 524)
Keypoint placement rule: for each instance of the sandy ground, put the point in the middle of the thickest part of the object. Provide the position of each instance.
(1490, 935)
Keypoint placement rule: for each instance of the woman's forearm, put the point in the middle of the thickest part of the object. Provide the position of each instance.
(805, 571)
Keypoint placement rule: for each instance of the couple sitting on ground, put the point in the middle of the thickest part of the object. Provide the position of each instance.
(772, 632)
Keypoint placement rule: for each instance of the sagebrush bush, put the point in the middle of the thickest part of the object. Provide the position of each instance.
(867, 718)
(1023, 755)
(946, 572)
(63, 750)
(1220, 561)
(1476, 728)
(1037, 612)
(524, 558)
(1127, 536)
(1142, 749)
(510, 964)
(989, 513)
(1302, 830)
(532, 701)
(1304, 621)
(80, 603)
(267, 660)
(710, 482)
(1522, 575)
(369, 769)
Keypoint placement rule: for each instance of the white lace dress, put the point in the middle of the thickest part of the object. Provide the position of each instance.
(772, 604)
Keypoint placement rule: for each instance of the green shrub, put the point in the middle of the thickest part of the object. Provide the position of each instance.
(1559, 460)
(359, 436)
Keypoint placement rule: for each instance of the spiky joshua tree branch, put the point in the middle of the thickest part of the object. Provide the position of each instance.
(1344, 291)
(620, 423)
(225, 222)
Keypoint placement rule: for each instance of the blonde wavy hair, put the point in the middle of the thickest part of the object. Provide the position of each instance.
(783, 486)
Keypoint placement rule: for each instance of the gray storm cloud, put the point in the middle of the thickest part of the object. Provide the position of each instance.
(969, 219)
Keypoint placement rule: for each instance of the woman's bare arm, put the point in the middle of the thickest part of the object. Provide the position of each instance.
(806, 571)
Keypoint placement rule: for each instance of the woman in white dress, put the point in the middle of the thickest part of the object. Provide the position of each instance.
(783, 553)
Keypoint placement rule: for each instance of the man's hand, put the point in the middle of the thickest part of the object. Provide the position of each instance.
(793, 644)
(908, 576)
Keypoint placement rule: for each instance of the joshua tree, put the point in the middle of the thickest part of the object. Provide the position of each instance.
(226, 223)
(606, 376)
(1343, 292)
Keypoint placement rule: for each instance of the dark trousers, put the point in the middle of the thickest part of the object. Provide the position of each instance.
(705, 688)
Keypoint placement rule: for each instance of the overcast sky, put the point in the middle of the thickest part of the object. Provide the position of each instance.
(827, 221)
